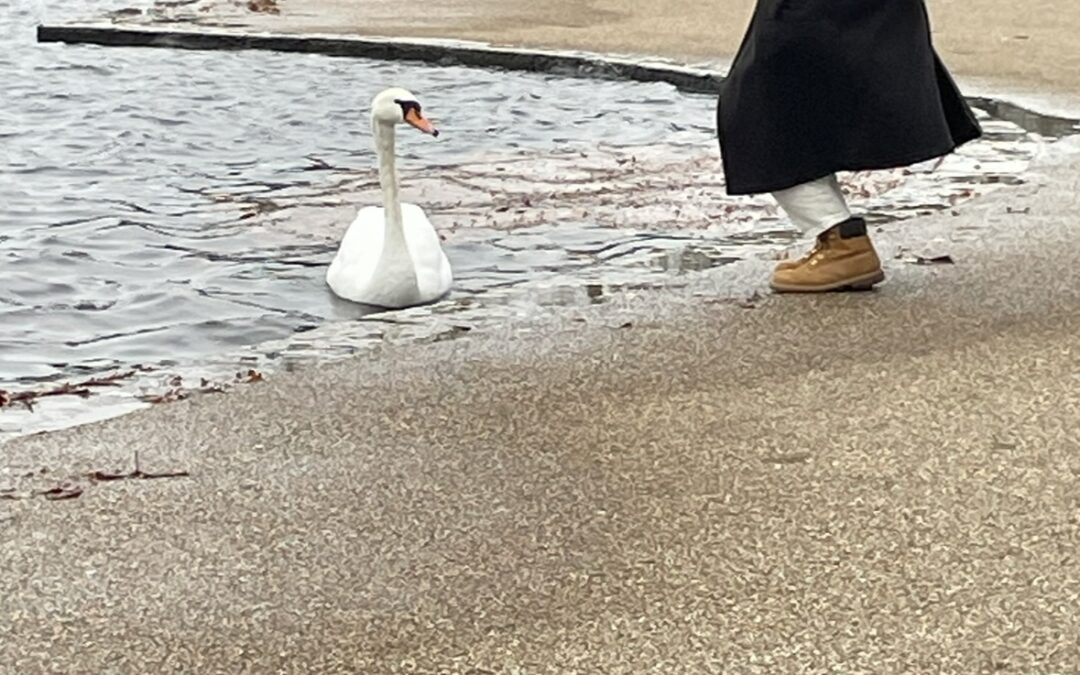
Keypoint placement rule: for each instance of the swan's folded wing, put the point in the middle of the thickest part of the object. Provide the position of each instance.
(358, 255)
(433, 275)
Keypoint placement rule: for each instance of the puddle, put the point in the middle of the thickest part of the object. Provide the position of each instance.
(1048, 126)
(177, 210)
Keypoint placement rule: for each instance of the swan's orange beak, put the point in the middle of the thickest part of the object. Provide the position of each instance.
(416, 119)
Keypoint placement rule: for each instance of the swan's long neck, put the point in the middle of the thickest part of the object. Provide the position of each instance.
(394, 236)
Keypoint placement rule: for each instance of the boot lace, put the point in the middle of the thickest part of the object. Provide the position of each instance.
(820, 244)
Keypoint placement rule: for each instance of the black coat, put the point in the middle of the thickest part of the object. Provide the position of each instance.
(821, 86)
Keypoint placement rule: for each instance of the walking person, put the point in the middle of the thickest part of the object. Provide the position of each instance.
(822, 86)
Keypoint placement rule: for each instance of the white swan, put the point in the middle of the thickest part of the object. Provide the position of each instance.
(391, 256)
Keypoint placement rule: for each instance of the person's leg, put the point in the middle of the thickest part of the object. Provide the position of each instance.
(815, 206)
(842, 258)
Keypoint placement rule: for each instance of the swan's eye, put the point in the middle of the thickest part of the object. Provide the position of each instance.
(406, 106)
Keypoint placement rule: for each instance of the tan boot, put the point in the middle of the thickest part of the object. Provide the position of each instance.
(843, 259)
(790, 264)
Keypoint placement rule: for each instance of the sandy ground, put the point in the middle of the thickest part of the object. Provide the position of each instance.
(1033, 45)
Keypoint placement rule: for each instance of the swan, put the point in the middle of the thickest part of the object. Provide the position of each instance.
(391, 256)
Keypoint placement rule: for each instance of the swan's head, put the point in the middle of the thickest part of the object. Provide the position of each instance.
(398, 106)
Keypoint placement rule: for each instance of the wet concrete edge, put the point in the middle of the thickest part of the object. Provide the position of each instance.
(434, 52)
(445, 52)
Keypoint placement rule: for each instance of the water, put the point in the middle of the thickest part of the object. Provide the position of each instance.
(168, 207)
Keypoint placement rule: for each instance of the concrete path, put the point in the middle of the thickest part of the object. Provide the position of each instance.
(674, 483)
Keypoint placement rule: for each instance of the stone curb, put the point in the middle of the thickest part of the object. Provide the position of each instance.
(695, 80)
(441, 52)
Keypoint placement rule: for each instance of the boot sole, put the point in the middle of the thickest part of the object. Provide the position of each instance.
(863, 283)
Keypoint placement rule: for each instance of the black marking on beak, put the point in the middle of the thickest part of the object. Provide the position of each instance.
(406, 106)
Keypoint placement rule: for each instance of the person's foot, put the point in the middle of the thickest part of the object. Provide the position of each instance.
(842, 259)
(795, 262)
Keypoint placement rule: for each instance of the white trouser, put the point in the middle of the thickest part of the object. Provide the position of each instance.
(815, 206)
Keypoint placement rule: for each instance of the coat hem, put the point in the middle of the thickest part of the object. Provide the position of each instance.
(740, 188)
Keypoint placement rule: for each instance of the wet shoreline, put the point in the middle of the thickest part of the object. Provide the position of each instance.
(623, 235)
(518, 256)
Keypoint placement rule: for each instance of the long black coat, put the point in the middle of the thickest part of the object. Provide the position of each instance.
(821, 86)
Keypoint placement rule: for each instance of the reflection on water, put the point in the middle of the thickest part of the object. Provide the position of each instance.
(173, 208)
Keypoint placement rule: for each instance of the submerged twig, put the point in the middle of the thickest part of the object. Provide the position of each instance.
(83, 389)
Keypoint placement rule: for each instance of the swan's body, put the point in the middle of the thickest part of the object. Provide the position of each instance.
(402, 274)
(391, 256)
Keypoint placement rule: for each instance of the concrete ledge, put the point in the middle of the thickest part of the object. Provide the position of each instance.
(426, 51)
(454, 52)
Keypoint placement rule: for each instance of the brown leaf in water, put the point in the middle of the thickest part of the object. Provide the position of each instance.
(268, 6)
(109, 380)
(250, 376)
